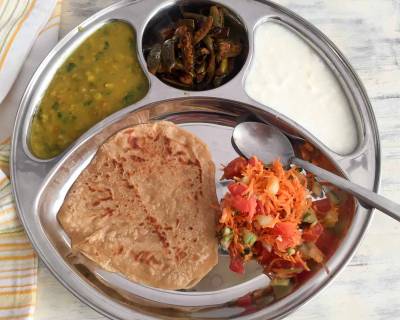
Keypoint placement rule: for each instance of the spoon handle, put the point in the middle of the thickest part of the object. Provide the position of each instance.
(364, 195)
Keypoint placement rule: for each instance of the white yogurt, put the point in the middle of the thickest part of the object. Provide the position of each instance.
(290, 77)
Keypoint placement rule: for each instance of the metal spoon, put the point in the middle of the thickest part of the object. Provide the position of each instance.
(269, 143)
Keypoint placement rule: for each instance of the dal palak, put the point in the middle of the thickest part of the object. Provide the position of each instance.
(100, 77)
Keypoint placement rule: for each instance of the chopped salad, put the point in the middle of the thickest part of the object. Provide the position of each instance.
(274, 216)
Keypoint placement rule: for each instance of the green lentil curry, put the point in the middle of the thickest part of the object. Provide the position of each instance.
(100, 77)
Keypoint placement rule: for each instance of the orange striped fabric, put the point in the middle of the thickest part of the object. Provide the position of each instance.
(18, 261)
(13, 34)
(20, 24)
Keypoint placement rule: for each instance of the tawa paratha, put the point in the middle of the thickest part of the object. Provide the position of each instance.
(146, 207)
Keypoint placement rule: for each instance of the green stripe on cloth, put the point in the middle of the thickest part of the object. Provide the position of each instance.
(5, 149)
(18, 261)
(9, 221)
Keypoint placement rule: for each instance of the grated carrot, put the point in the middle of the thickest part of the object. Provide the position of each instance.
(282, 196)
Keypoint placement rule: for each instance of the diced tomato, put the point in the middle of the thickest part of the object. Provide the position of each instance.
(327, 242)
(237, 189)
(245, 205)
(235, 168)
(283, 264)
(289, 234)
(313, 233)
(237, 265)
(257, 248)
(264, 256)
(244, 301)
(323, 205)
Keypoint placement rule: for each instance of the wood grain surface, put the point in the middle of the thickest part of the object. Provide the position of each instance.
(368, 33)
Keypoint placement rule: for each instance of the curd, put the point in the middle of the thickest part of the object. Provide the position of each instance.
(289, 76)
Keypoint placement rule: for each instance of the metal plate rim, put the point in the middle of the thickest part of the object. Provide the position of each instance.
(372, 122)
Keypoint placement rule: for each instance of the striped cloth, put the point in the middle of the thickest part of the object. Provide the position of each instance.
(20, 23)
(18, 261)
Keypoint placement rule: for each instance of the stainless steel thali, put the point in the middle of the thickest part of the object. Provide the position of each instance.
(40, 186)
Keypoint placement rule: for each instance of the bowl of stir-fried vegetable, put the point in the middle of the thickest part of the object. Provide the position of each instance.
(195, 46)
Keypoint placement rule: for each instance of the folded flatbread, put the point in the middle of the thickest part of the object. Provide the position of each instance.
(146, 207)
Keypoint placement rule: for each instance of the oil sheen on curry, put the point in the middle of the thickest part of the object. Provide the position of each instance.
(100, 77)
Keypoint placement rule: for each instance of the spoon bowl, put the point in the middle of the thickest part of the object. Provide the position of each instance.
(268, 143)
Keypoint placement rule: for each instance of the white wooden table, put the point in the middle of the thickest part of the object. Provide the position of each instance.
(368, 33)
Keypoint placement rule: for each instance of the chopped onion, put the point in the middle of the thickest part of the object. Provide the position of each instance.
(265, 221)
(273, 185)
(245, 180)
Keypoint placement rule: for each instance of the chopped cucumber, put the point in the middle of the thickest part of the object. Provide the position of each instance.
(310, 216)
(333, 197)
(310, 251)
(249, 238)
(226, 231)
(291, 251)
(226, 241)
(331, 218)
(281, 287)
(317, 189)
(280, 282)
